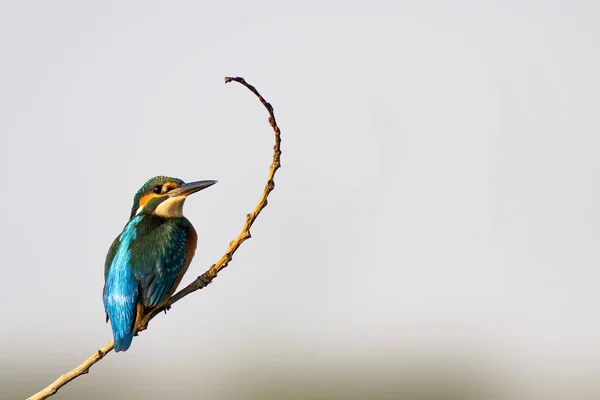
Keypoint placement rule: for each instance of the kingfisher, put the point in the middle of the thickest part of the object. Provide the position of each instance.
(147, 260)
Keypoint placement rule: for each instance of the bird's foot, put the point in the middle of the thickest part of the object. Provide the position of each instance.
(141, 326)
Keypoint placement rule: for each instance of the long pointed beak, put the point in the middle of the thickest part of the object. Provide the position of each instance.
(189, 188)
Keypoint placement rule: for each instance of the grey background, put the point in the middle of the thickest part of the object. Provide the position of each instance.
(434, 228)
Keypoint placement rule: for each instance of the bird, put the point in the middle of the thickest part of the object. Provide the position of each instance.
(146, 262)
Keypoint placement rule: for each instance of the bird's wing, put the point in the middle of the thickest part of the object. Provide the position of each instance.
(160, 259)
(109, 259)
(111, 255)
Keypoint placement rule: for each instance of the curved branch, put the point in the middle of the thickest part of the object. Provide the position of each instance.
(203, 280)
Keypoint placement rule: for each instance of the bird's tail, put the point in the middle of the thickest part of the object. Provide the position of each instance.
(122, 312)
(122, 339)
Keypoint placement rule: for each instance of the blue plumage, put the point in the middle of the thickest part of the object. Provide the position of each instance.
(148, 259)
(121, 290)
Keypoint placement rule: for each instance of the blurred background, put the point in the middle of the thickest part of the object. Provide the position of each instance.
(434, 229)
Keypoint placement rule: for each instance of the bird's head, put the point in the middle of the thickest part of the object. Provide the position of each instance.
(164, 196)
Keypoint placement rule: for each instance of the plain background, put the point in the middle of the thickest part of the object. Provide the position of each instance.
(434, 227)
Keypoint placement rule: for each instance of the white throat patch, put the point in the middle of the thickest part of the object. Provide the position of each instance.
(171, 207)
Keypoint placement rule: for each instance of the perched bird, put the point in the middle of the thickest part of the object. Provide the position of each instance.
(147, 260)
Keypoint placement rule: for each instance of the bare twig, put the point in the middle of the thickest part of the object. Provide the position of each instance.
(203, 280)
(82, 369)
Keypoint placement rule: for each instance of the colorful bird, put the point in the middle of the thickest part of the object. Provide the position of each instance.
(147, 260)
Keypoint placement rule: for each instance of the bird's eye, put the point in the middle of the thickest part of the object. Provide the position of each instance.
(157, 189)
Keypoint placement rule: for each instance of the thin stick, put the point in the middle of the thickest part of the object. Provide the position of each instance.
(203, 280)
